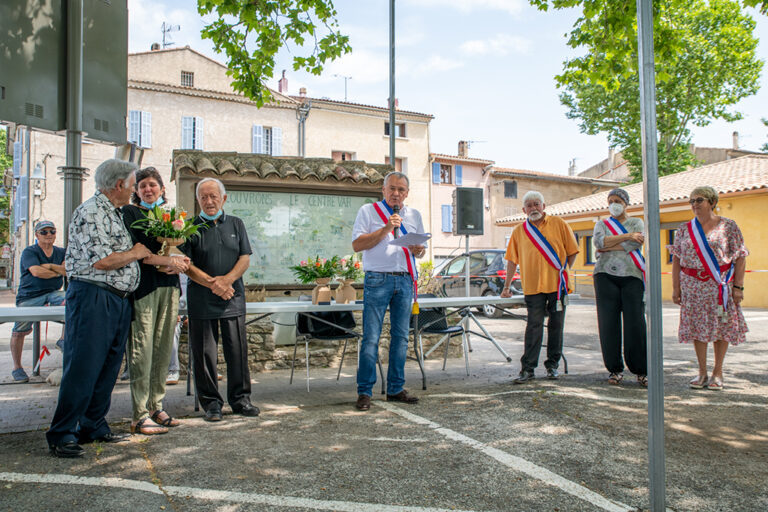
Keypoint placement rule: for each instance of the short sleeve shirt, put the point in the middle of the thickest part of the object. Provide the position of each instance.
(215, 251)
(384, 257)
(536, 274)
(31, 286)
(96, 231)
(617, 263)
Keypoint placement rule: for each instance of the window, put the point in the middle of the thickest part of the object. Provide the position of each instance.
(589, 251)
(446, 211)
(343, 156)
(401, 164)
(140, 128)
(445, 173)
(399, 129)
(670, 243)
(267, 140)
(456, 267)
(191, 132)
(187, 79)
(510, 189)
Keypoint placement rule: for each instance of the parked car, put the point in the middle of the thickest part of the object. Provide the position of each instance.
(487, 271)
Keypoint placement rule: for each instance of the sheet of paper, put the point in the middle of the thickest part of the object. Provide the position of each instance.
(411, 239)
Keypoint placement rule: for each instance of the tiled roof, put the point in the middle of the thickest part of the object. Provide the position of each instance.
(176, 49)
(730, 176)
(440, 156)
(360, 106)
(282, 101)
(242, 164)
(523, 173)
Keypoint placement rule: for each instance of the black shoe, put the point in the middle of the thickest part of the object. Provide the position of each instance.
(553, 374)
(66, 450)
(247, 410)
(525, 376)
(213, 413)
(109, 437)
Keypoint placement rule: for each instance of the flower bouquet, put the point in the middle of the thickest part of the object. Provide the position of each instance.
(350, 270)
(170, 227)
(320, 271)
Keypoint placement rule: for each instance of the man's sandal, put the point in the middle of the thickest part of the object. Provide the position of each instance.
(615, 378)
(642, 380)
(148, 430)
(167, 422)
(699, 382)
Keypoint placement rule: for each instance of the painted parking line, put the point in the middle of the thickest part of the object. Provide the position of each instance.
(214, 495)
(589, 395)
(513, 462)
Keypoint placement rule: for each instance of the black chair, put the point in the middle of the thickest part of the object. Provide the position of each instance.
(434, 321)
(326, 325)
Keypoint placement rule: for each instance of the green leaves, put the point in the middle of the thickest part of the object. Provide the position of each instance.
(705, 64)
(251, 32)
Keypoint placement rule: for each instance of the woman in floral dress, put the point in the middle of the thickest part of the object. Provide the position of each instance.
(702, 320)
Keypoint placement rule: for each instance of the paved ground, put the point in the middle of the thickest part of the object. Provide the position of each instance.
(473, 443)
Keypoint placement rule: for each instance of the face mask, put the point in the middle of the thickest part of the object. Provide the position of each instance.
(211, 217)
(149, 206)
(616, 209)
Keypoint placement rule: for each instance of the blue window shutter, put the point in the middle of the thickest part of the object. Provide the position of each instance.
(277, 141)
(257, 138)
(447, 218)
(435, 172)
(187, 132)
(23, 200)
(18, 149)
(134, 126)
(146, 130)
(458, 175)
(198, 133)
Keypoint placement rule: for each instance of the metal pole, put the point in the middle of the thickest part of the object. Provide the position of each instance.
(73, 174)
(27, 214)
(392, 127)
(466, 268)
(656, 471)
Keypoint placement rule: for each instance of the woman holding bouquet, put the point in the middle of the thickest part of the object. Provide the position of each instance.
(156, 304)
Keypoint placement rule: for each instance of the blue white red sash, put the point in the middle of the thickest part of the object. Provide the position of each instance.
(410, 259)
(617, 228)
(550, 255)
(709, 261)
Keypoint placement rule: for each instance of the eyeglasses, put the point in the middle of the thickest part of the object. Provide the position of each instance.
(47, 232)
(698, 200)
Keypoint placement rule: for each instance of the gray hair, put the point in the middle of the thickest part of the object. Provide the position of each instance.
(398, 175)
(533, 195)
(207, 180)
(111, 171)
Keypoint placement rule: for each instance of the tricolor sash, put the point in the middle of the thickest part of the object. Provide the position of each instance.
(709, 261)
(550, 255)
(410, 259)
(617, 228)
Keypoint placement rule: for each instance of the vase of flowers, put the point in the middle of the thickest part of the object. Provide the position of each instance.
(350, 270)
(319, 271)
(169, 227)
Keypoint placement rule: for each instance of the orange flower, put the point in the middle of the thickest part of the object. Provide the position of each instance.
(166, 217)
(183, 215)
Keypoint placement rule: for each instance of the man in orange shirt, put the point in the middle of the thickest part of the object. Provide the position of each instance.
(544, 247)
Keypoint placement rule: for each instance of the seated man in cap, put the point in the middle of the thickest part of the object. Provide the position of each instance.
(42, 276)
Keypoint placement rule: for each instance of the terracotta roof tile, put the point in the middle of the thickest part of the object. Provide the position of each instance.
(359, 105)
(737, 175)
(524, 173)
(441, 156)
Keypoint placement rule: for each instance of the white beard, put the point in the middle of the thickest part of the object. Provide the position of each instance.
(534, 216)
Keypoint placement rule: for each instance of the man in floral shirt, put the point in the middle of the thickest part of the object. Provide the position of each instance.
(101, 264)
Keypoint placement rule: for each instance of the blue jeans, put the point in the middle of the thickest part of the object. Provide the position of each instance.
(382, 291)
(47, 299)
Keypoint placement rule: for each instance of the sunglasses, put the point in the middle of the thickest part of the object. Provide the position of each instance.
(698, 200)
(47, 232)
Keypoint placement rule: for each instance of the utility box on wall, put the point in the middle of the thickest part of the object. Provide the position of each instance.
(33, 59)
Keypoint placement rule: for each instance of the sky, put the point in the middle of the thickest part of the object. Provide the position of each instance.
(483, 68)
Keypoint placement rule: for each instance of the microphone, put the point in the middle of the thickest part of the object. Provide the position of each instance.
(396, 211)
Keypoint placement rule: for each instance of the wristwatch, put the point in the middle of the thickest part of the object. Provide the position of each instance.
(738, 287)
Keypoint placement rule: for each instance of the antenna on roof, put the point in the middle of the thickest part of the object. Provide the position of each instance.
(167, 28)
(346, 78)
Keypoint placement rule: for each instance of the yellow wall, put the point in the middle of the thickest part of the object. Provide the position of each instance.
(748, 210)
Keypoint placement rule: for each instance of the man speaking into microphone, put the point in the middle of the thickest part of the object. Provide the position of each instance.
(390, 276)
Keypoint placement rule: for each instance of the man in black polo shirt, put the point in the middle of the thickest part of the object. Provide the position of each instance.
(216, 303)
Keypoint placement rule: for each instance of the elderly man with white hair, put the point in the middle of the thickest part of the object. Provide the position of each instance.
(543, 246)
(102, 266)
(216, 302)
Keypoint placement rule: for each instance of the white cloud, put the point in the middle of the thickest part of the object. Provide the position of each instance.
(500, 44)
(438, 63)
(509, 6)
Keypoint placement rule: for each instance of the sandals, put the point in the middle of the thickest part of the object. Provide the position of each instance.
(148, 430)
(642, 380)
(715, 384)
(615, 378)
(169, 421)
(699, 382)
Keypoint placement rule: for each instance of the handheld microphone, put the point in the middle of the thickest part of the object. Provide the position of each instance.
(396, 211)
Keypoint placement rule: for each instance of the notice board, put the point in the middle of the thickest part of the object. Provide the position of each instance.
(285, 228)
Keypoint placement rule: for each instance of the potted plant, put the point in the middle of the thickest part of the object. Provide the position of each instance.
(319, 271)
(350, 270)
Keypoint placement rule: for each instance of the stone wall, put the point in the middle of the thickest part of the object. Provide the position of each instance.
(264, 355)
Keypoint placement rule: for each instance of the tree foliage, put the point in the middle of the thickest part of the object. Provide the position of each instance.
(705, 64)
(765, 146)
(6, 162)
(251, 32)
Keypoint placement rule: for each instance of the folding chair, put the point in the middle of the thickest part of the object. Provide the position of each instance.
(434, 321)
